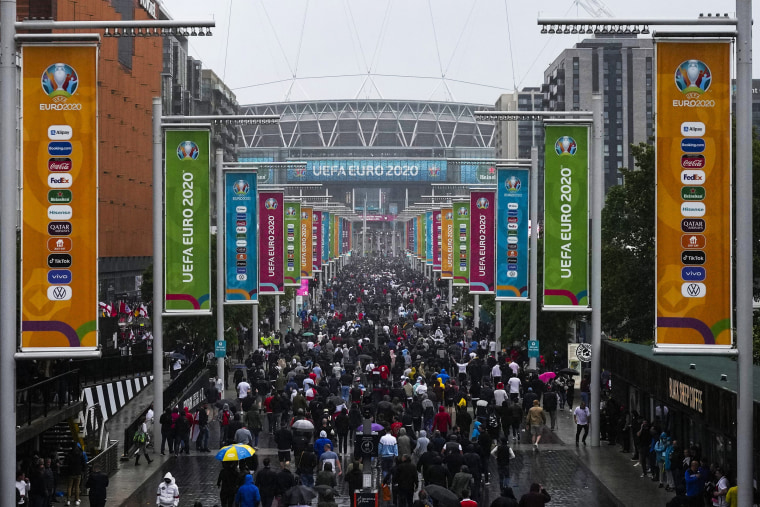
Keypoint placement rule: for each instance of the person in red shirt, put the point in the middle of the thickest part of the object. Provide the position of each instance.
(442, 421)
(466, 500)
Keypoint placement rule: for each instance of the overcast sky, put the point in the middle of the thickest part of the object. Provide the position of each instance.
(482, 47)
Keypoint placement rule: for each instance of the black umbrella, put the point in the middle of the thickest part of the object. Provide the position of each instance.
(445, 497)
(364, 357)
(569, 371)
(298, 495)
(232, 404)
(176, 355)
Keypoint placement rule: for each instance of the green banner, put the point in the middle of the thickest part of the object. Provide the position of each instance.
(461, 243)
(187, 265)
(566, 217)
(292, 244)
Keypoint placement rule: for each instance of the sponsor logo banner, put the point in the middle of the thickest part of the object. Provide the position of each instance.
(447, 243)
(693, 236)
(512, 206)
(566, 207)
(292, 231)
(307, 243)
(437, 240)
(186, 235)
(271, 243)
(59, 275)
(316, 232)
(482, 241)
(429, 238)
(325, 237)
(241, 281)
(461, 243)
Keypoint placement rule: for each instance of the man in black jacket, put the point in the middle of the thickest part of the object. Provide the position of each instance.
(266, 481)
(405, 476)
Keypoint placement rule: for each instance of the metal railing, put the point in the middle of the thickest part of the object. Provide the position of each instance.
(55, 393)
(107, 459)
(96, 371)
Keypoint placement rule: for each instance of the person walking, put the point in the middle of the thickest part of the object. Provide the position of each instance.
(167, 431)
(406, 480)
(581, 418)
(550, 406)
(168, 492)
(536, 420)
(201, 420)
(228, 482)
(97, 483)
(76, 460)
(248, 494)
(140, 439)
(266, 480)
(536, 497)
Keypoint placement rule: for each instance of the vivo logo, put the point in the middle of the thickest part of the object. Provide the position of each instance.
(693, 274)
(59, 276)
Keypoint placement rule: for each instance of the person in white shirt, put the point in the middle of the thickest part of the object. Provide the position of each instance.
(496, 373)
(514, 367)
(243, 387)
(514, 387)
(581, 417)
(499, 395)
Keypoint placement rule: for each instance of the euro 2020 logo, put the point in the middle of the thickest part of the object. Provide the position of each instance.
(188, 150)
(270, 203)
(241, 187)
(565, 145)
(290, 211)
(482, 203)
(693, 78)
(463, 212)
(513, 184)
(60, 82)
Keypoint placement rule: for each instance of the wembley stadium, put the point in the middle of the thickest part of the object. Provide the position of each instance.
(391, 153)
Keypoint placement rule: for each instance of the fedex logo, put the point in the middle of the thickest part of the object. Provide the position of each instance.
(693, 177)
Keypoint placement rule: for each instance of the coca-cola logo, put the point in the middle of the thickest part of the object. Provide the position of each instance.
(59, 165)
(692, 161)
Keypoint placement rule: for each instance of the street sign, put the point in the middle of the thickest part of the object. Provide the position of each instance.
(221, 348)
(532, 348)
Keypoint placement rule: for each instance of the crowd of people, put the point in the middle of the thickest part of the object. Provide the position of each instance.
(381, 347)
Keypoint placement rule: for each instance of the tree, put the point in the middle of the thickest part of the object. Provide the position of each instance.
(628, 222)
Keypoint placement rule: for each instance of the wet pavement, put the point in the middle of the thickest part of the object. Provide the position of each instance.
(573, 476)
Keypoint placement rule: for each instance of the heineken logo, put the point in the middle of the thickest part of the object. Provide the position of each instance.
(693, 193)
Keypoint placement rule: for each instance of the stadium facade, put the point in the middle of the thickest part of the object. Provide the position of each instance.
(392, 152)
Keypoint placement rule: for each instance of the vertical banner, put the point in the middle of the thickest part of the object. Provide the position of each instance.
(482, 241)
(512, 200)
(241, 239)
(316, 233)
(307, 243)
(292, 244)
(447, 238)
(419, 230)
(429, 238)
(187, 243)
(566, 217)
(341, 238)
(271, 243)
(437, 240)
(693, 237)
(59, 229)
(461, 243)
(325, 237)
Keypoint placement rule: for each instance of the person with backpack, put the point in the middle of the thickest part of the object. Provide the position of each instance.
(139, 439)
(503, 454)
(306, 462)
(253, 422)
(224, 418)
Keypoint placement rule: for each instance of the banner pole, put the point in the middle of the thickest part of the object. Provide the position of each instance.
(219, 259)
(158, 269)
(744, 241)
(533, 331)
(476, 311)
(277, 313)
(255, 328)
(8, 259)
(597, 196)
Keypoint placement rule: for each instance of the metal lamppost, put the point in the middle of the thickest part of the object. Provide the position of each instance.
(597, 178)
(743, 207)
(9, 193)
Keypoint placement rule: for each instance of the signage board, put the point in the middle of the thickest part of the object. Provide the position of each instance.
(271, 243)
(187, 242)
(292, 234)
(241, 238)
(59, 222)
(693, 237)
(461, 243)
(512, 200)
(482, 241)
(566, 218)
